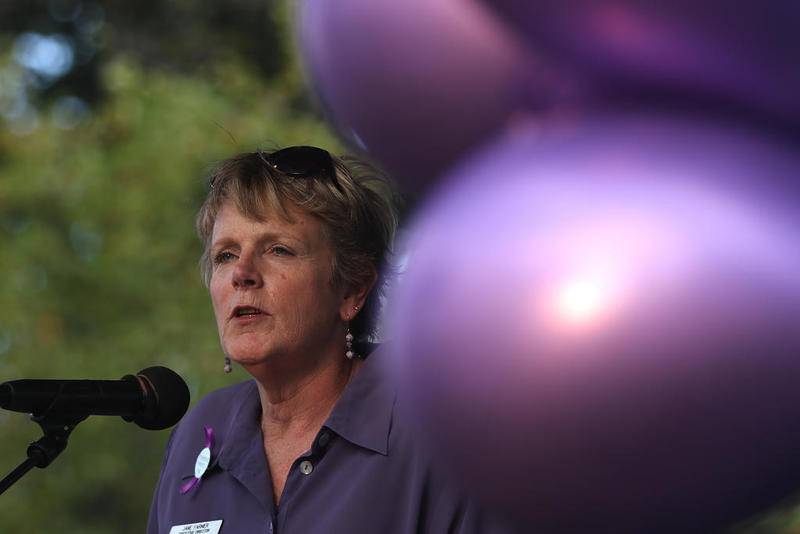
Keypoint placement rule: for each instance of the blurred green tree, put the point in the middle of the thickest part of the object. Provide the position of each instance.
(66, 43)
(99, 266)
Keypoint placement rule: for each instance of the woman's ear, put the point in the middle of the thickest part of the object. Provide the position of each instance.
(354, 298)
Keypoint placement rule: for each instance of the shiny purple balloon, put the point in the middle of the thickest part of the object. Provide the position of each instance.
(600, 326)
(415, 83)
(709, 54)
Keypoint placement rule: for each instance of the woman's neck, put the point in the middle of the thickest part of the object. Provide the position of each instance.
(299, 401)
(293, 408)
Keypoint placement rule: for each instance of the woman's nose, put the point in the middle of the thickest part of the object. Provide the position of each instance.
(246, 274)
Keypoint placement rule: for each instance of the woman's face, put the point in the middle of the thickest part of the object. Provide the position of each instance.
(271, 287)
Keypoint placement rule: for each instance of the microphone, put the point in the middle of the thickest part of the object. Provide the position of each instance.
(155, 398)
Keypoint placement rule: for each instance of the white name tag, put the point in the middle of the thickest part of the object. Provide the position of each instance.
(205, 527)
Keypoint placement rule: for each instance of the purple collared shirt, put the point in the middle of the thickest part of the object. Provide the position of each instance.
(365, 473)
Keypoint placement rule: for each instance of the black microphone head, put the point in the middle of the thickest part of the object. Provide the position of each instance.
(5, 394)
(166, 398)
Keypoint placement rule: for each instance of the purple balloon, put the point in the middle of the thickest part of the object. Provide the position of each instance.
(714, 53)
(414, 83)
(599, 326)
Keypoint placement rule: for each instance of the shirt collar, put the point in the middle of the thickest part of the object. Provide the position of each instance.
(244, 428)
(363, 415)
(241, 448)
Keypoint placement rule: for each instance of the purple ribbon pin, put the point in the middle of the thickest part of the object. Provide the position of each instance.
(201, 464)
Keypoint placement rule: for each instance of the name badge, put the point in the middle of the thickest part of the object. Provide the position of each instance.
(205, 527)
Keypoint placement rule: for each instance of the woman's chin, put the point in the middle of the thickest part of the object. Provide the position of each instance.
(249, 361)
(247, 354)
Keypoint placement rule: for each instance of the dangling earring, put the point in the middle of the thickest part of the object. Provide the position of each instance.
(348, 339)
(227, 367)
(348, 344)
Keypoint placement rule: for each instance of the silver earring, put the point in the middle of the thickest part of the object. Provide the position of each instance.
(348, 339)
(227, 367)
(348, 343)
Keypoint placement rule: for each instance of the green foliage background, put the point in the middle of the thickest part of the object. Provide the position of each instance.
(98, 270)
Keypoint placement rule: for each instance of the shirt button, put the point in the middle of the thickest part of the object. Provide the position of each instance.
(324, 438)
(306, 467)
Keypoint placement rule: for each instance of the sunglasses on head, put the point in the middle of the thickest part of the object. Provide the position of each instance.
(303, 162)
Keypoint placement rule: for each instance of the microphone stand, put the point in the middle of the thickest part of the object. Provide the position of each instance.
(57, 427)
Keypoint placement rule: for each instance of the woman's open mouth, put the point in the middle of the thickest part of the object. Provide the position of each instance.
(243, 313)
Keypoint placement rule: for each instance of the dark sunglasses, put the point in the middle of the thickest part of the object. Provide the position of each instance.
(300, 162)
(303, 162)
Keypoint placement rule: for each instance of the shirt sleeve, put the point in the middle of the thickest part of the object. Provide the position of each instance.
(448, 508)
(472, 519)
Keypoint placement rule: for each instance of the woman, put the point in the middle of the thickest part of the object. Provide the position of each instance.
(317, 441)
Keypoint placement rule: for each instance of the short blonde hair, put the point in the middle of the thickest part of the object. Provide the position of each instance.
(358, 211)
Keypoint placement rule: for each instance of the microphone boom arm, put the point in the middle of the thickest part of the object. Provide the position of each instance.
(57, 427)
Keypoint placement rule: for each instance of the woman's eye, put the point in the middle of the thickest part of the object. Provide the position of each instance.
(223, 257)
(279, 250)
